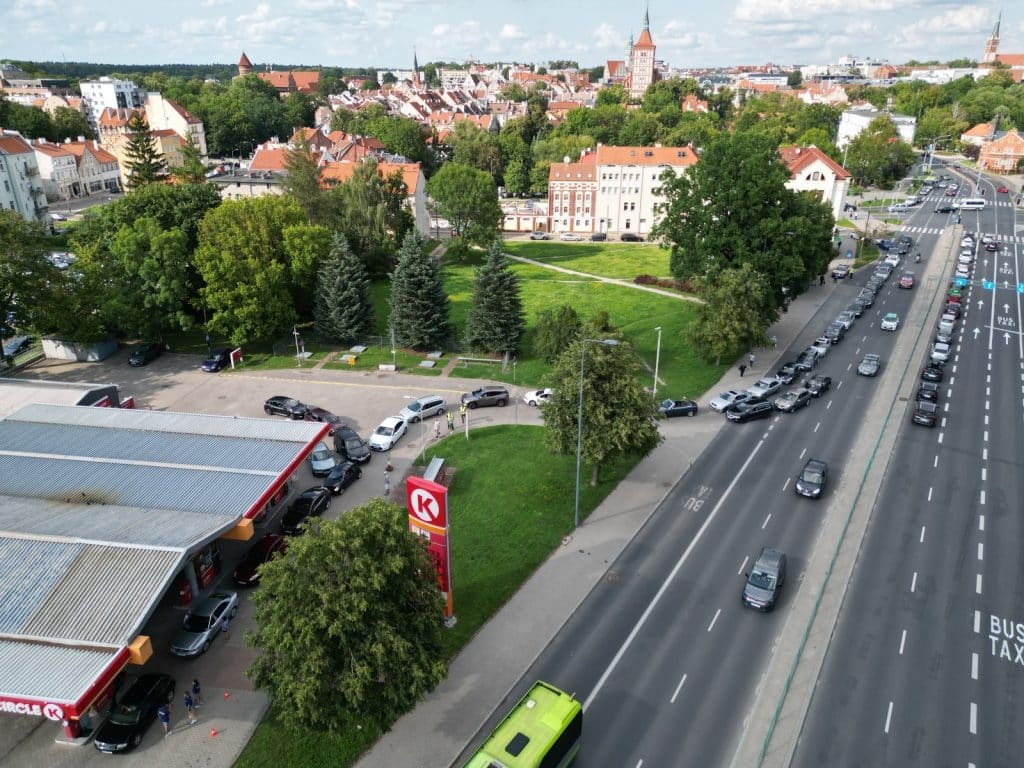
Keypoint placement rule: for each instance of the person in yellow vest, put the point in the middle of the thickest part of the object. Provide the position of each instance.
(451, 421)
(462, 412)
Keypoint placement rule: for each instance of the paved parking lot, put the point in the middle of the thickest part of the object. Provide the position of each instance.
(175, 383)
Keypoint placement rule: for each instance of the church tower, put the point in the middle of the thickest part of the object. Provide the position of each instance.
(641, 61)
(992, 46)
(416, 82)
(244, 65)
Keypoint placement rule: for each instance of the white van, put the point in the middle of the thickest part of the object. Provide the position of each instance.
(898, 208)
(972, 204)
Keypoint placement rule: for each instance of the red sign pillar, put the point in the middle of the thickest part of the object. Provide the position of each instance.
(427, 503)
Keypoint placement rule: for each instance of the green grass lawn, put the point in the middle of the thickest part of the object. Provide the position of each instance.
(495, 548)
(619, 260)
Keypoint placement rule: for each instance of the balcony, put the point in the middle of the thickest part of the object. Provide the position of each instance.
(31, 170)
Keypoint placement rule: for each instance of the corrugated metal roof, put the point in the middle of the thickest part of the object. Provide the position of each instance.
(64, 673)
(17, 393)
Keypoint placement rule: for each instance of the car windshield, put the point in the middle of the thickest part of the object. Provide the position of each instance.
(196, 622)
(353, 444)
(414, 407)
(322, 454)
(125, 714)
(385, 431)
(813, 476)
(667, 404)
(762, 580)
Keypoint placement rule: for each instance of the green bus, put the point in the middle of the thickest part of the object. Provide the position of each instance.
(542, 731)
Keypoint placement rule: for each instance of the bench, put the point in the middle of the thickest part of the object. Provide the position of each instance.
(465, 360)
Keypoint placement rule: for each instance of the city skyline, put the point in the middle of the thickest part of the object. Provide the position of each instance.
(359, 33)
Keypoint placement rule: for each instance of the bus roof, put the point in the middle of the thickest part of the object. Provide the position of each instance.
(523, 737)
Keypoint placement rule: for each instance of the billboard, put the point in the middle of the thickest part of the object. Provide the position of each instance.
(427, 503)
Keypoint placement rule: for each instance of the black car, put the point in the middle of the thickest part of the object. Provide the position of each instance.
(145, 353)
(944, 208)
(952, 308)
(807, 361)
(599, 237)
(218, 360)
(672, 408)
(749, 411)
(283, 405)
(342, 476)
(630, 237)
(812, 478)
(787, 373)
(834, 333)
(351, 446)
(932, 372)
(929, 390)
(925, 413)
(867, 297)
(132, 712)
(819, 383)
(857, 307)
(247, 573)
(312, 502)
(883, 244)
(905, 240)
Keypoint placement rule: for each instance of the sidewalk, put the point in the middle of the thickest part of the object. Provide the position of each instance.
(436, 732)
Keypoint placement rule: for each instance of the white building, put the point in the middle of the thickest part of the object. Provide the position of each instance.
(109, 93)
(76, 169)
(811, 170)
(21, 186)
(162, 114)
(613, 189)
(855, 120)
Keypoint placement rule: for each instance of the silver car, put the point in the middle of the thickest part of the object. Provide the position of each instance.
(322, 460)
(765, 387)
(203, 623)
(728, 398)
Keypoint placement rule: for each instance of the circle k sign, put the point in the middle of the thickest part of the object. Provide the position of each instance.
(426, 506)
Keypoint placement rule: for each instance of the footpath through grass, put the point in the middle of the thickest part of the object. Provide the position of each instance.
(623, 261)
(511, 503)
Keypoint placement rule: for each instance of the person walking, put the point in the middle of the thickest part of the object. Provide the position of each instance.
(743, 369)
(190, 708)
(437, 427)
(225, 627)
(163, 712)
(387, 484)
(750, 360)
(462, 412)
(451, 421)
(197, 692)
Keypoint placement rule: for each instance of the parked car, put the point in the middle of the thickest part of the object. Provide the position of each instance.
(15, 346)
(841, 271)
(765, 580)
(932, 372)
(750, 410)
(282, 405)
(387, 434)
(867, 297)
(351, 446)
(928, 390)
(890, 322)
(342, 476)
(312, 502)
(202, 623)
(571, 237)
(132, 712)
(765, 387)
(145, 353)
(537, 396)
(324, 417)
(672, 408)
(218, 360)
(846, 318)
(599, 237)
(539, 236)
(793, 400)
(821, 346)
(423, 408)
(834, 333)
(486, 396)
(787, 373)
(807, 361)
(818, 384)
(869, 365)
(321, 460)
(857, 307)
(263, 551)
(630, 237)
(812, 478)
(925, 413)
(727, 399)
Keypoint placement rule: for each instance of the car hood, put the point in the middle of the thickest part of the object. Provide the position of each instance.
(808, 488)
(245, 573)
(184, 640)
(758, 594)
(114, 733)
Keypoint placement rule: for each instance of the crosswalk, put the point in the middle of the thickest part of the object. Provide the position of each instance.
(997, 203)
(939, 230)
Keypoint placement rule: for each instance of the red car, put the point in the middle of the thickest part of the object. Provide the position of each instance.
(263, 551)
(1003, 190)
(325, 417)
(907, 280)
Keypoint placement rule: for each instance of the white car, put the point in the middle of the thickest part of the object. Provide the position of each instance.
(765, 387)
(940, 352)
(537, 396)
(387, 434)
(893, 259)
(890, 322)
(821, 346)
(986, 239)
(570, 237)
(727, 398)
(963, 270)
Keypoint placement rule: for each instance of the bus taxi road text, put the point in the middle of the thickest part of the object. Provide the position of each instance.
(1007, 639)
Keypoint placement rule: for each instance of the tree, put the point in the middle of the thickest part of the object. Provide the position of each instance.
(242, 259)
(303, 181)
(299, 110)
(613, 94)
(145, 164)
(556, 329)
(795, 79)
(468, 199)
(476, 147)
(496, 319)
(305, 248)
(878, 155)
(618, 415)
(349, 622)
(402, 136)
(70, 124)
(344, 312)
(26, 276)
(737, 309)
(388, 78)
(419, 305)
(512, 92)
(191, 170)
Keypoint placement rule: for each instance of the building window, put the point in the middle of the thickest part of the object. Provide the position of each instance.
(625, 206)
(632, 206)
(627, 224)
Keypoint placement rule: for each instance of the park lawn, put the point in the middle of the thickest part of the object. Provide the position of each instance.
(494, 549)
(619, 260)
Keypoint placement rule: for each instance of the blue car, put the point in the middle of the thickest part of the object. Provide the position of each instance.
(218, 359)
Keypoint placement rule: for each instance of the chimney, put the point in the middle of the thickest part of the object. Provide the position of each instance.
(82, 139)
(95, 144)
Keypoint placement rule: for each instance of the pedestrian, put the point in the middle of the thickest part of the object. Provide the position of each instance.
(225, 628)
(743, 369)
(821, 279)
(163, 712)
(462, 412)
(750, 360)
(389, 468)
(387, 484)
(437, 427)
(189, 708)
(197, 692)
(835, 280)
(451, 421)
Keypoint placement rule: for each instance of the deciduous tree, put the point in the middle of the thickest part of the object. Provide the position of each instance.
(556, 329)
(738, 306)
(418, 304)
(26, 276)
(468, 199)
(496, 319)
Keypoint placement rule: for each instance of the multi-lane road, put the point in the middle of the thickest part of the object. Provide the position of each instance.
(662, 652)
(926, 666)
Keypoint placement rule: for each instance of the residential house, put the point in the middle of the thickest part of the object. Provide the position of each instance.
(164, 113)
(811, 170)
(412, 176)
(21, 186)
(856, 119)
(1003, 153)
(691, 103)
(979, 134)
(290, 82)
(58, 169)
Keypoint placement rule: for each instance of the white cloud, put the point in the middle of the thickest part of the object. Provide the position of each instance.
(440, 30)
(676, 34)
(511, 32)
(963, 24)
(607, 36)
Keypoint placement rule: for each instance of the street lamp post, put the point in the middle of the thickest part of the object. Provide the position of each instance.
(657, 359)
(579, 422)
(295, 333)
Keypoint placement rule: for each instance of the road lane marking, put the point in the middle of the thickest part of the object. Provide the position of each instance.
(974, 666)
(983, 496)
(974, 719)
(984, 435)
(936, 462)
(940, 438)
(803, 453)
(742, 566)
(952, 380)
(765, 523)
(977, 584)
(946, 409)
(678, 688)
(983, 473)
(984, 454)
(668, 579)
(986, 405)
(981, 522)
(713, 620)
(816, 426)
(913, 582)
(922, 534)
(828, 405)
(981, 550)
(840, 384)
(903, 641)
(638, 765)
(888, 717)
(929, 494)
(850, 365)
(786, 485)
(977, 622)
(986, 419)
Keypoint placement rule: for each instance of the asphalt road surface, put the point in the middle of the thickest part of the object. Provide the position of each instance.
(926, 665)
(662, 652)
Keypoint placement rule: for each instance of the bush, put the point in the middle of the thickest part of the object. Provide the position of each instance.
(683, 286)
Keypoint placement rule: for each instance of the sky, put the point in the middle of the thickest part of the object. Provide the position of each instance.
(383, 33)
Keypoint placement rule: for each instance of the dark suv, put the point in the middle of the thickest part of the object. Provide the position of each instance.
(285, 406)
(351, 446)
(630, 237)
(765, 580)
(485, 396)
(218, 359)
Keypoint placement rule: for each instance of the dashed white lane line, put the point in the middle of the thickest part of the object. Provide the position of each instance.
(678, 688)
(765, 523)
(913, 582)
(982, 496)
(903, 641)
(984, 454)
(742, 566)
(981, 550)
(981, 522)
(922, 534)
(786, 485)
(817, 426)
(984, 472)
(974, 666)
(936, 462)
(977, 622)
(984, 435)
(840, 384)
(803, 453)
(640, 764)
(888, 717)
(828, 405)
(940, 438)
(713, 620)
(974, 719)
(929, 494)
(977, 584)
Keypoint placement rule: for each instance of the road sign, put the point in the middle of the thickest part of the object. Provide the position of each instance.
(988, 285)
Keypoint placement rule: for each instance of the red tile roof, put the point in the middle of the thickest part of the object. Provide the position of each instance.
(644, 41)
(645, 156)
(13, 145)
(1011, 59)
(342, 172)
(798, 158)
(981, 130)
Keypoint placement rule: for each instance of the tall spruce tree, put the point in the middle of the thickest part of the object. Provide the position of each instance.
(496, 319)
(146, 164)
(419, 305)
(343, 310)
